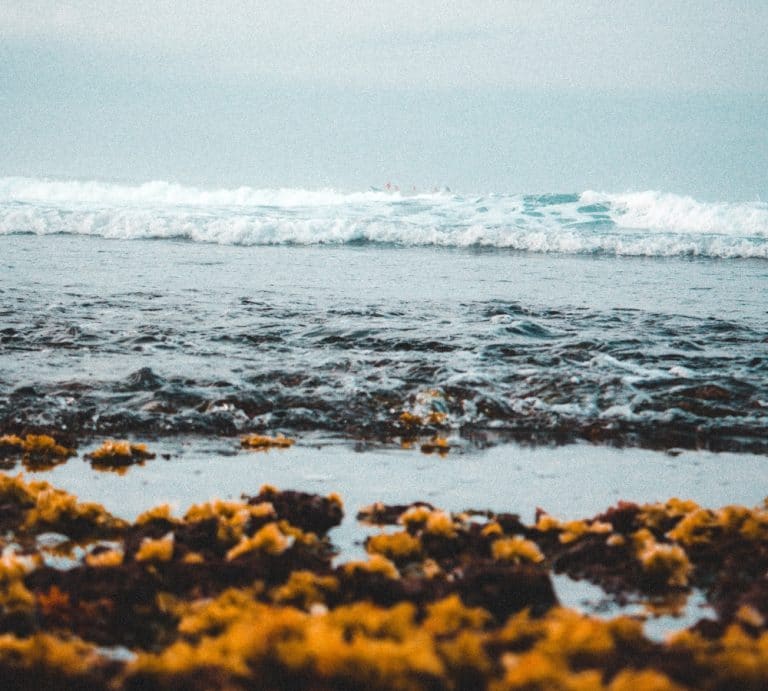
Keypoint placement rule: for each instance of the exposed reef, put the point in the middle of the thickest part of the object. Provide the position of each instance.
(244, 594)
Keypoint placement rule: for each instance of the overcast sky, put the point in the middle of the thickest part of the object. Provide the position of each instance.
(511, 96)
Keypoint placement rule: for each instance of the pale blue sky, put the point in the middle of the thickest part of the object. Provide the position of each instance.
(504, 96)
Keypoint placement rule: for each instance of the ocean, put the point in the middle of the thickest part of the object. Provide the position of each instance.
(573, 350)
(632, 320)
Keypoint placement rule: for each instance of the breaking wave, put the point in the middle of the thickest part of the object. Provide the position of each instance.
(647, 223)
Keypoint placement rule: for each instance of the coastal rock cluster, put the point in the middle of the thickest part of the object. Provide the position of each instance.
(249, 594)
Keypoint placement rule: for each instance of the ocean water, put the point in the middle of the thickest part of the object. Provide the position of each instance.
(634, 320)
(567, 323)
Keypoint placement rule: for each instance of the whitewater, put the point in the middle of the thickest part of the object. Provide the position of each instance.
(645, 224)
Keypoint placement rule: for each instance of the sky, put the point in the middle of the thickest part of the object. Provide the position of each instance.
(512, 96)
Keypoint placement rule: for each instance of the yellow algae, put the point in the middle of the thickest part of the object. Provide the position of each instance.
(268, 539)
(11, 441)
(207, 617)
(214, 509)
(661, 560)
(16, 490)
(680, 507)
(118, 453)
(571, 634)
(369, 514)
(557, 650)
(162, 512)
(375, 564)
(655, 516)
(751, 524)
(755, 525)
(112, 557)
(182, 657)
(465, 651)
(750, 616)
(42, 651)
(264, 509)
(400, 545)
(15, 596)
(537, 671)
(362, 645)
(296, 535)
(573, 530)
(624, 630)
(642, 680)
(737, 660)
(233, 517)
(491, 529)
(39, 445)
(516, 549)
(450, 615)
(232, 633)
(547, 523)
(395, 622)
(303, 638)
(13, 593)
(304, 588)
(694, 528)
(435, 418)
(51, 505)
(519, 628)
(438, 444)
(414, 517)
(703, 525)
(733, 517)
(55, 508)
(440, 523)
(431, 569)
(260, 441)
(37, 451)
(14, 567)
(410, 419)
(669, 605)
(156, 550)
(335, 498)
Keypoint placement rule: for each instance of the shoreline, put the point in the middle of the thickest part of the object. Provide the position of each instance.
(570, 482)
(259, 588)
(575, 479)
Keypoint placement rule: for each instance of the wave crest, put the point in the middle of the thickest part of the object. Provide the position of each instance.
(642, 223)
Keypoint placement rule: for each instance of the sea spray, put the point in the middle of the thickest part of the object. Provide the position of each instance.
(651, 224)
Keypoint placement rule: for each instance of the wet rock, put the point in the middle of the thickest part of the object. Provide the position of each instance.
(143, 379)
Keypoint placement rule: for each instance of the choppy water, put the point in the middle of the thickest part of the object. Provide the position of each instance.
(170, 336)
(637, 224)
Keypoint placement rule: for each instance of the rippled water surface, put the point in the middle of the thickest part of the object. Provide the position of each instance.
(162, 336)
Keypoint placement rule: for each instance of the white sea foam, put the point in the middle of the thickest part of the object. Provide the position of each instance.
(670, 212)
(162, 193)
(642, 224)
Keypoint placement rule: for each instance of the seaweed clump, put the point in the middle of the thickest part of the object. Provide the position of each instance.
(261, 442)
(114, 454)
(245, 594)
(37, 451)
